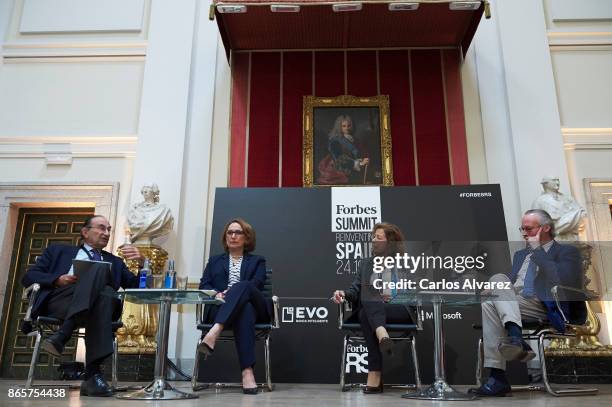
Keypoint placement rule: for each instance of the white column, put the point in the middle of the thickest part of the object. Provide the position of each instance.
(164, 121)
(174, 143)
(532, 99)
(497, 133)
(163, 115)
(191, 227)
(520, 117)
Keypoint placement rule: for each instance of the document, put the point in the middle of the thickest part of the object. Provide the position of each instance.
(84, 266)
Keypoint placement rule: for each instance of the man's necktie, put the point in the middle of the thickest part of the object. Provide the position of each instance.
(97, 256)
(528, 286)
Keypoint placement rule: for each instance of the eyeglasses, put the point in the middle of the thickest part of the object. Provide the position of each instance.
(528, 228)
(101, 228)
(234, 232)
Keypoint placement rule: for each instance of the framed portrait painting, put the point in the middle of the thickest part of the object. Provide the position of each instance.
(347, 141)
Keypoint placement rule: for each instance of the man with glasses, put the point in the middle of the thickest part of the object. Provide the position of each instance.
(79, 300)
(541, 265)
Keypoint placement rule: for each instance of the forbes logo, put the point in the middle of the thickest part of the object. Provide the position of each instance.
(312, 315)
(356, 359)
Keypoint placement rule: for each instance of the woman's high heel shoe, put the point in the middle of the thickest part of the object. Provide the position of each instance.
(205, 349)
(249, 390)
(374, 390)
(386, 346)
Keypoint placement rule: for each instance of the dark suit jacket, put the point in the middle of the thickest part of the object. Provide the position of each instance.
(216, 273)
(353, 293)
(57, 259)
(362, 290)
(561, 265)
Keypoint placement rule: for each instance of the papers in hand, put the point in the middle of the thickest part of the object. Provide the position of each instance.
(84, 266)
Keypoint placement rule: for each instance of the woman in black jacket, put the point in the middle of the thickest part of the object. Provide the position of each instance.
(374, 308)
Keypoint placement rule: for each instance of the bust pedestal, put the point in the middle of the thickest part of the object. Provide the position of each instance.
(137, 336)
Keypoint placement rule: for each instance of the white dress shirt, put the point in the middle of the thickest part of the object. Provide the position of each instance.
(81, 255)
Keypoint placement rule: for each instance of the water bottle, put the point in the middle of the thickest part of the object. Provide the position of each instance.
(169, 281)
(144, 274)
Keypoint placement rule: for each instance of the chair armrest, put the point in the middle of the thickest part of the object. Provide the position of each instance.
(555, 293)
(589, 295)
(419, 321)
(121, 314)
(275, 309)
(30, 294)
(343, 307)
(30, 290)
(199, 314)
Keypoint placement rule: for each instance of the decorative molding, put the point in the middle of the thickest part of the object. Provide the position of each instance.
(58, 153)
(81, 16)
(563, 39)
(572, 10)
(76, 147)
(21, 49)
(587, 138)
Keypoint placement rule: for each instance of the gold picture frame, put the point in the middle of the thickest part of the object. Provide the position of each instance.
(346, 141)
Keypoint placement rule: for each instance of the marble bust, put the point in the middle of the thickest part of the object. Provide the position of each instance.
(149, 219)
(567, 214)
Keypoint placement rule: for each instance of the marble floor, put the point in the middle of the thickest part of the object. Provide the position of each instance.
(302, 395)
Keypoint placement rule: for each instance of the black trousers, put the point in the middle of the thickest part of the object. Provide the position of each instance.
(244, 306)
(89, 303)
(374, 314)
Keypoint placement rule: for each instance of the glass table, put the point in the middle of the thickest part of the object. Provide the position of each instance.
(439, 389)
(160, 388)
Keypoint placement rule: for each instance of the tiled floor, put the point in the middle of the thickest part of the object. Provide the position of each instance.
(305, 395)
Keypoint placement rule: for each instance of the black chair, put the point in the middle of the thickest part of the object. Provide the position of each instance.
(540, 330)
(42, 325)
(397, 332)
(262, 332)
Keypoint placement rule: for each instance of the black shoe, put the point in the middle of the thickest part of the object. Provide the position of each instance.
(386, 346)
(54, 345)
(96, 386)
(205, 349)
(515, 348)
(374, 390)
(492, 388)
(250, 390)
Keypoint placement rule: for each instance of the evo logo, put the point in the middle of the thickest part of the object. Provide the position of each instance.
(311, 315)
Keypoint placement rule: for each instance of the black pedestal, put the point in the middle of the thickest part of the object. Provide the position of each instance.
(579, 369)
(131, 368)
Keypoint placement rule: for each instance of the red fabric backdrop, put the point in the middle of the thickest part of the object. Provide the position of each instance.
(427, 118)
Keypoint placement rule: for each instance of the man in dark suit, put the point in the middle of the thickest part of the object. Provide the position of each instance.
(81, 301)
(543, 264)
